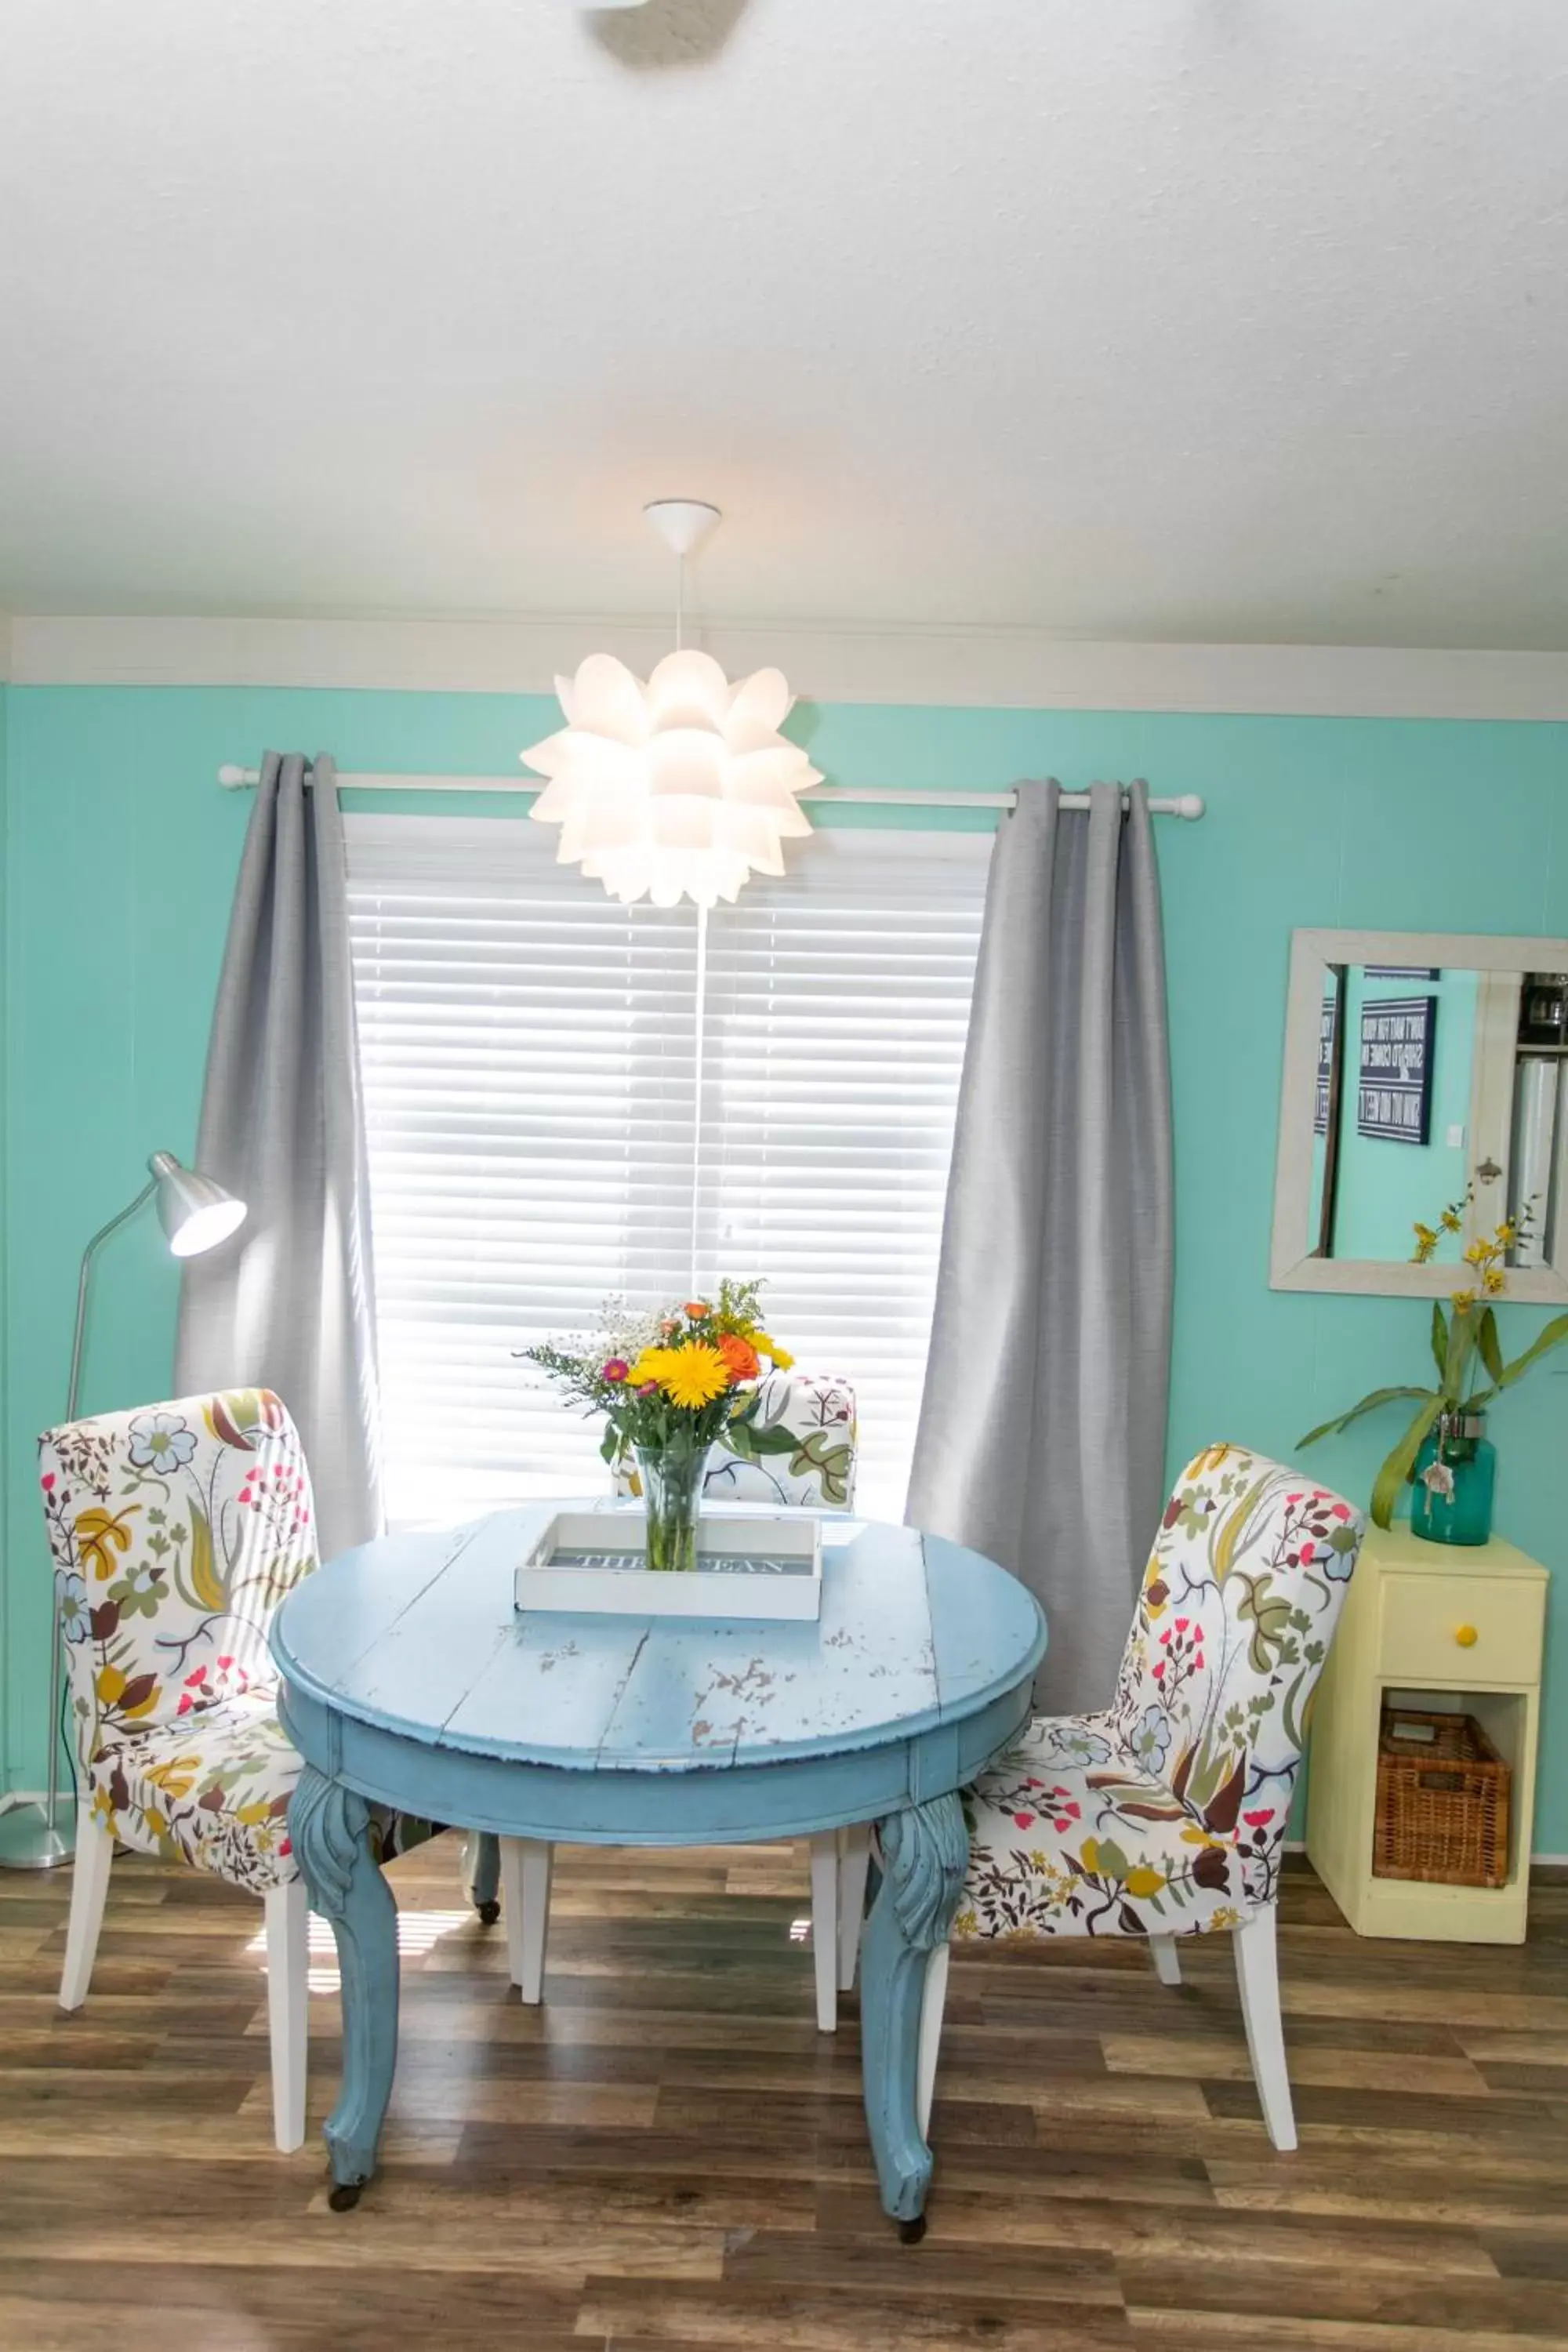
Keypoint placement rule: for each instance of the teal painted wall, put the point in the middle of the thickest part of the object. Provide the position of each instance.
(4, 1162)
(120, 858)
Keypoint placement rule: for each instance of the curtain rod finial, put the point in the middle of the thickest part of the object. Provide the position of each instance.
(1190, 805)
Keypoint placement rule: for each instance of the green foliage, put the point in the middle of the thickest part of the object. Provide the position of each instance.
(1555, 1332)
(1368, 1404)
(1439, 1337)
(1396, 1472)
(751, 1444)
(1457, 1342)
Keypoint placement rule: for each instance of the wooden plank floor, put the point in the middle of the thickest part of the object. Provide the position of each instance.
(666, 2154)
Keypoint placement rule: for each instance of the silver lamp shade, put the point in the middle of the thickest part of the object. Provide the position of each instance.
(195, 1213)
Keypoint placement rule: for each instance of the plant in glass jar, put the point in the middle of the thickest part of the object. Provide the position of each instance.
(1445, 1455)
(671, 1384)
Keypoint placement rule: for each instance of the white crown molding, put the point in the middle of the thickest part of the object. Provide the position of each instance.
(4, 647)
(825, 663)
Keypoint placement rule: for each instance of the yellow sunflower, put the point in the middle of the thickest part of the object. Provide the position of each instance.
(694, 1375)
(653, 1364)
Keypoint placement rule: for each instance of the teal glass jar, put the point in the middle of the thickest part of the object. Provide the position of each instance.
(1453, 1482)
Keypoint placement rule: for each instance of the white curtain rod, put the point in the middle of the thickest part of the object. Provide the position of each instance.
(237, 780)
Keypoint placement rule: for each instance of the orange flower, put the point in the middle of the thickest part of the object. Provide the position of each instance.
(699, 1309)
(739, 1355)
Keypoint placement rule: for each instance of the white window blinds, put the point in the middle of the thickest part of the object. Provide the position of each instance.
(538, 1139)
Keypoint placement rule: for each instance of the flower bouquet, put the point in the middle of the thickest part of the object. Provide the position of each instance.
(670, 1384)
(1445, 1452)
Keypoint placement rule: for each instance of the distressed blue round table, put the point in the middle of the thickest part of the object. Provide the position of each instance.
(409, 1677)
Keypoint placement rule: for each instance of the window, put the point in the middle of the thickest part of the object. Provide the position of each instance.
(554, 1117)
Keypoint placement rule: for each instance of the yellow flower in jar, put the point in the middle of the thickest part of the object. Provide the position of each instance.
(695, 1376)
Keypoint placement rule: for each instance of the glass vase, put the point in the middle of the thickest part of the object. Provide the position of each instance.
(1455, 1474)
(671, 1477)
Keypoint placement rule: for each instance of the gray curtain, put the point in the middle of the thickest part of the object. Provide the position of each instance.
(1042, 1433)
(288, 1305)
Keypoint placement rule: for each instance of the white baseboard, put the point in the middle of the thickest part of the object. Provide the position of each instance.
(1537, 1861)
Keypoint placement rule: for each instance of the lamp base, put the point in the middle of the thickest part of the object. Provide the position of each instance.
(27, 1842)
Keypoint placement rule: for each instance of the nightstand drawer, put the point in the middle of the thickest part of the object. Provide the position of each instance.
(1448, 1628)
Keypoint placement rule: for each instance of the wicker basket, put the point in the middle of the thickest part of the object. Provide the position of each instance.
(1442, 1800)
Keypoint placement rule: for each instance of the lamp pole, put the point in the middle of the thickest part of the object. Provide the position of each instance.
(30, 1836)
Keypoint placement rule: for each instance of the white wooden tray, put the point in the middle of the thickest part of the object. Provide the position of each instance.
(596, 1561)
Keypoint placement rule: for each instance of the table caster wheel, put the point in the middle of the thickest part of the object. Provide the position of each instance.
(344, 2195)
(488, 1913)
(912, 2233)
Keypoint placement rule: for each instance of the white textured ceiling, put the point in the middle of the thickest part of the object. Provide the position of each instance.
(1139, 319)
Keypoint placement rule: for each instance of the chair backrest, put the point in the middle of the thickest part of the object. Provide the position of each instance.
(1239, 1605)
(176, 1529)
(806, 1439)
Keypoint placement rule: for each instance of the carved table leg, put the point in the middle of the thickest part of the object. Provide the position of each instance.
(925, 1855)
(482, 1866)
(327, 1824)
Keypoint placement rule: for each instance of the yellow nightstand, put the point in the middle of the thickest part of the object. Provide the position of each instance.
(1464, 1627)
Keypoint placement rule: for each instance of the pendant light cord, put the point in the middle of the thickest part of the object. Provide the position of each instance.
(700, 1004)
(697, 1083)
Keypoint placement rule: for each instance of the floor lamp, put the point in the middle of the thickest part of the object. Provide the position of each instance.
(195, 1214)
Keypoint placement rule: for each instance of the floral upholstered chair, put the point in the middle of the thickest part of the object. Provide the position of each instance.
(177, 1530)
(1165, 1815)
(800, 1453)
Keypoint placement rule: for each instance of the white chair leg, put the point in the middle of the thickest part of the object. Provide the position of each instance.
(854, 1863)
(933, 2001)
(287, 1914)
(1166, 1958)
(1258, 1974)
(525, 1867)
(89, 1884)
(825, 1926)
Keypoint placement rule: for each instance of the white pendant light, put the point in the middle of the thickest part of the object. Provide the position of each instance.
(682, 788)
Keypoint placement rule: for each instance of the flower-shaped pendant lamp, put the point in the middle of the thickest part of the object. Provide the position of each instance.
(680, 788)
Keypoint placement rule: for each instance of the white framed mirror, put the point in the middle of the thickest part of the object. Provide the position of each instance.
(1422, 1068)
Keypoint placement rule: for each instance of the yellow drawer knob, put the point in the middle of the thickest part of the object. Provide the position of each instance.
(1467, 1637)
